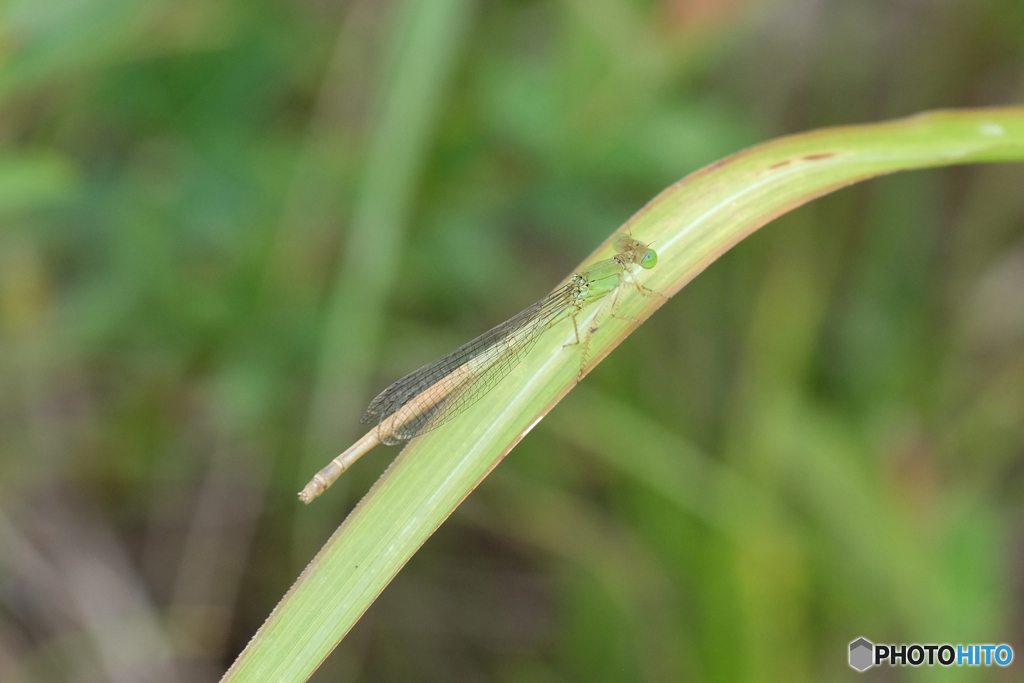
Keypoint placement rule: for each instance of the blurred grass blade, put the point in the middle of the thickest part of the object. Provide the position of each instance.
(690, 224)
(425, 44)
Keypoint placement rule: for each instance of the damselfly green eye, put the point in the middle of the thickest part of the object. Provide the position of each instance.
(649, 260)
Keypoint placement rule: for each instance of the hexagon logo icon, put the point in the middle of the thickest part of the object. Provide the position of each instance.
(861, 651)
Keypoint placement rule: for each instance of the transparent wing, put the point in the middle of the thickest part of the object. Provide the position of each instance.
(468, 372)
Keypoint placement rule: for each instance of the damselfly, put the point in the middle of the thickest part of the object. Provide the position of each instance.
(431, 396)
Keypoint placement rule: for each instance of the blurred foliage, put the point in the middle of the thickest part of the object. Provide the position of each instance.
(820, 438)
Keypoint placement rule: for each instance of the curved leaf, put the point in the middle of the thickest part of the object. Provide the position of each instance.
(691, 223)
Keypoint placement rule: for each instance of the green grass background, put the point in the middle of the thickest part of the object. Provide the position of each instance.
(225, 225)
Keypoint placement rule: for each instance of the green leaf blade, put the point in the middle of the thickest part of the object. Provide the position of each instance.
(691, 223)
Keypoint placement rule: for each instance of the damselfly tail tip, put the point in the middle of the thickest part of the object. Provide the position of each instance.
(313, 489)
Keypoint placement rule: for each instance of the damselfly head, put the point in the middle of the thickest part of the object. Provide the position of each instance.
(635, 251)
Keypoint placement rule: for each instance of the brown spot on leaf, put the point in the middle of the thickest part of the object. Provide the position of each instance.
(719, 164)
